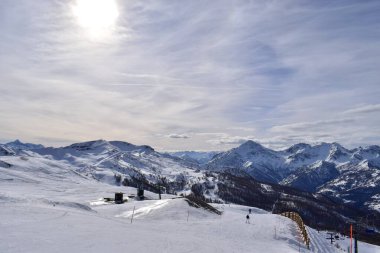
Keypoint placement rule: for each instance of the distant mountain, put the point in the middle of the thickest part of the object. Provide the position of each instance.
(356, 183)
(327, 168)
(195, 156)
(261, 163)
(17, 144)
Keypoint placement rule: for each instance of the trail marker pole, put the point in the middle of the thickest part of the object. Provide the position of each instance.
(351, 238)
(188, 214)
(133, 214)
(275, 232)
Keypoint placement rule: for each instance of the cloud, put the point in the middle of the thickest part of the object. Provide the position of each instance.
(178, 136)
(364, 109)
(230, 140)
(316, 125)
(192, 67)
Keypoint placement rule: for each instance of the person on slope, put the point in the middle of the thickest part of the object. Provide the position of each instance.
(247, 220)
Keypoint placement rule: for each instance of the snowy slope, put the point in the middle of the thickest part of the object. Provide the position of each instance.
(49, 208)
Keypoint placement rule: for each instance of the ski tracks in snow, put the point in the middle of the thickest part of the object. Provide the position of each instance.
(107, 158)
(146, 209)
(317, 244)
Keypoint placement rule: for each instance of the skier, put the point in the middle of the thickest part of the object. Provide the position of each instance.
(250, 210)
(247, 220)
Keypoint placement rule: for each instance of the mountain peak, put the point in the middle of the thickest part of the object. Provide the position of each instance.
(251, 145)
(17, 142)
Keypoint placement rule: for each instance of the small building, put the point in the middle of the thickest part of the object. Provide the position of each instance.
(119, 198)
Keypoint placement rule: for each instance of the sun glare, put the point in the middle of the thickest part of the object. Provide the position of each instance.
(96, 16)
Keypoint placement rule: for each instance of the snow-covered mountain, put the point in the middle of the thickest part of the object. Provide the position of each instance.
(118, 162)
(273, 166)
(327, 168)
(17, 144)
(251, 157)
(312, 176)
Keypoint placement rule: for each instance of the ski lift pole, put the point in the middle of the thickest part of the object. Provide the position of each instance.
(356, 244)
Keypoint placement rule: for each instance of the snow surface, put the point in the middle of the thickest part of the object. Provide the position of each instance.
(48, 206)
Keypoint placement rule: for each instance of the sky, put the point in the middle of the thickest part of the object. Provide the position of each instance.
(190, 75)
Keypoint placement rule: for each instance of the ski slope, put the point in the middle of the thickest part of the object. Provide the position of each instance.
(47, 206)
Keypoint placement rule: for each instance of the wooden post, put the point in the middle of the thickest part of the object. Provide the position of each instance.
(301, 226)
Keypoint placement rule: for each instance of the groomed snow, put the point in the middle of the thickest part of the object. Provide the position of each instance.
(47, 207)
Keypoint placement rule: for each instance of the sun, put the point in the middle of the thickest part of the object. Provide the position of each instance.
(96, 16)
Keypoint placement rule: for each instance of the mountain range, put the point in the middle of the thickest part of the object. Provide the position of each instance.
(328, 168)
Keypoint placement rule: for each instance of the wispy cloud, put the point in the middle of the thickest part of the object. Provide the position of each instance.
(322, 124)
(364, 109)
